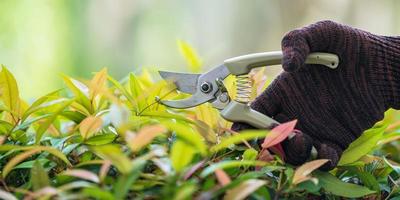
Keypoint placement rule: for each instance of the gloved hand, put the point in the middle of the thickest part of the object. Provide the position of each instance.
(333, 107)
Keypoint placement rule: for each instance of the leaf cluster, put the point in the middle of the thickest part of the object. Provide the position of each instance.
(109, 139)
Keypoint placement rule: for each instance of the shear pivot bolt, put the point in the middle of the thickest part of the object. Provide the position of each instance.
(206, 87)
(224, 97)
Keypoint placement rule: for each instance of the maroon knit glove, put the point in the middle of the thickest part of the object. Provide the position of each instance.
(333, 107)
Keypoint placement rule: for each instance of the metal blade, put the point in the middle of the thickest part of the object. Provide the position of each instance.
(192, 101)
(184, 82)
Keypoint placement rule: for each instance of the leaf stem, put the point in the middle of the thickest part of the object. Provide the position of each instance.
(393, 189)
(155, 102)
(5, 185)
(278, 189)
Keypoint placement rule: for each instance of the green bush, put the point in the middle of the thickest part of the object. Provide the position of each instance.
(105, 139)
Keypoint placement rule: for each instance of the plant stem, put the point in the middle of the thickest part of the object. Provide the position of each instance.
(155, 102)
(5, 185)
(393, 189)
(278, 189)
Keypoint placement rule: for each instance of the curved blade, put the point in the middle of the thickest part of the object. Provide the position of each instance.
(192, 101)
(184, 82)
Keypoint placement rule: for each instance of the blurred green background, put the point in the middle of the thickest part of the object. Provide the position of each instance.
(42, 39)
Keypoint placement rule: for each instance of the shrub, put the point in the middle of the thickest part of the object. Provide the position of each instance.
(106, 139)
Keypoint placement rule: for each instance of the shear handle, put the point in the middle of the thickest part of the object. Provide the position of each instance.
(240, 112)
(244, 64)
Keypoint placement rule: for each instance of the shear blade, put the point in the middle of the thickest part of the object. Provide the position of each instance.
(184, 82)
(185, 103)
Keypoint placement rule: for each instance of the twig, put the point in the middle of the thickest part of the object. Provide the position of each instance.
(155, 102)
(5, 185)
(278, 189)
(393, 189)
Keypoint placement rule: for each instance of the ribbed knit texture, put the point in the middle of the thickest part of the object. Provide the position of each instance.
(333, 107)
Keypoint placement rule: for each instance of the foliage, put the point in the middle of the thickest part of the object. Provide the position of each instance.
(105, 139)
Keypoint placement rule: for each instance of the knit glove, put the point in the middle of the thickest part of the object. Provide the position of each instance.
(333, 106)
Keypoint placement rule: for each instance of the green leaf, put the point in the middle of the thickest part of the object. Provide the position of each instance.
(137, 93)
(43, 127)
(363, 145)
(185, 191)
(39, 178)
(262, 193)
(206, 131)
(90, 162)
(230, 164)
(38, 104)
(29, 164)
(335, 186)
(76, 117)
(190, 56)
(250, 154)
(9, 147)
(102, 139)
(156, 90)
(238, 138)
(394, 166)
(186, 133)
(181, 155)
(308, 186)
(165, 115)
(2, 108)
(97, 193)
(123, 91)
(115, 155)
(368, 180)
(31, 151)
(9, 90)
(124, 183)
(24, 125)
(80, 91)
(5, 127)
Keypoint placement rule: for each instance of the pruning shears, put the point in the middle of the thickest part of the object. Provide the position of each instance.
(209, 86)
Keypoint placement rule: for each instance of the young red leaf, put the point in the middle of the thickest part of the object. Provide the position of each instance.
(278, 150)
(265, 156)
(144, 136)
(44, 192)
(193, 169)
(2, 139)
(279, 133)
(104, 170)
(89, 126)
(244, 189)
(222, 177)
(302, 173)
(83, 174)
(98, 83)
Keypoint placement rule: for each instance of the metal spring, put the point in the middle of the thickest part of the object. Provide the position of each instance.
(243, 88)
